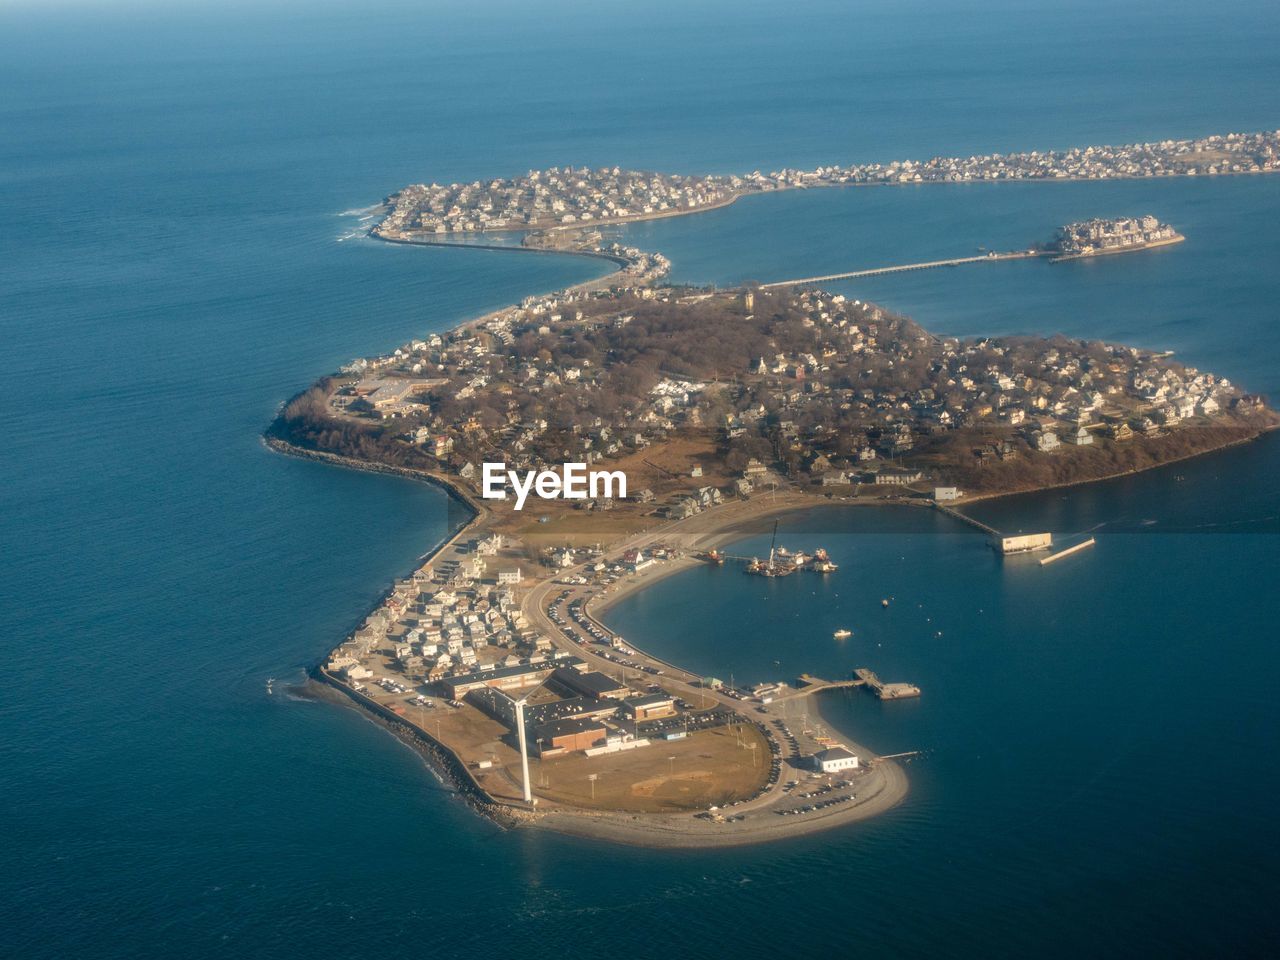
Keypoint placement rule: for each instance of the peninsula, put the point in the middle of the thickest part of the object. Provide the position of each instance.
(569, 197)
(721, 408)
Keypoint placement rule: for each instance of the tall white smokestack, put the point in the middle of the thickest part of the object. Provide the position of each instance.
(524, 752)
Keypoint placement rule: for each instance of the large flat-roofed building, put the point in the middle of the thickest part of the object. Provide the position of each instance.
(834, 760)
(569, 707)
(506, 678)
(652, 707)
(565, 736)
(500, 705)
(591, 684)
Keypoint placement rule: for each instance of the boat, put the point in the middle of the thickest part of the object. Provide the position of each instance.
(843, 634)
(779, 564)
(884, 603)
(713, 556)
(270, 681)
(824, 566)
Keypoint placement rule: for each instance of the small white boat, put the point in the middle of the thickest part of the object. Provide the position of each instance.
(843, 634)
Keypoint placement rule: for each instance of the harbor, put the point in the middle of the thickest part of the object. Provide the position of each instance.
(780, 562)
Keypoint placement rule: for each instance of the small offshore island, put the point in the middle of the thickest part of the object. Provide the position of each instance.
(722, 408)
(1098, 238)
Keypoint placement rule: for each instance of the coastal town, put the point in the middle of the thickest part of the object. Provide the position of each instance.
(563, 196)
(569, 197)
(703, 396)
(721, 407)
(544, 709)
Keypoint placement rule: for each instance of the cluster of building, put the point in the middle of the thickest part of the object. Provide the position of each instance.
(573, 197)
(455, 618)
(1231, 153)
(560, 196)
(1089, 237)
(456, 630)
(855, 388)
(576, 709)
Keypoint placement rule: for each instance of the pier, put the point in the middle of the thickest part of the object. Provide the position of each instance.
(812, 685)
(905, 267)
(954, 514)
(1067, 552)
(885, 691)
(1003, 545)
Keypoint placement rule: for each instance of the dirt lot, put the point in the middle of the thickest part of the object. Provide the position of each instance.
(654, 466)
(710, 767)
(578, 528)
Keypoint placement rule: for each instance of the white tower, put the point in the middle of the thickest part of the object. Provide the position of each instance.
(524, 751)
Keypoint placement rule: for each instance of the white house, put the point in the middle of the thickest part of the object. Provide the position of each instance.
(835, 759)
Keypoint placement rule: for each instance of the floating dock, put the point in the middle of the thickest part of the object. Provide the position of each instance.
(886, 691)
(1067, 552)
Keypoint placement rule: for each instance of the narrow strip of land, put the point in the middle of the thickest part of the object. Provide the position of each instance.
(905, 267)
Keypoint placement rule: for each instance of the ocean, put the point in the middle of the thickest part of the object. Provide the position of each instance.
(182, 190)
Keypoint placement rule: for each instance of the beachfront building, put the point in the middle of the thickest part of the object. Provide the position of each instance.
(652, 707)
(835, 760)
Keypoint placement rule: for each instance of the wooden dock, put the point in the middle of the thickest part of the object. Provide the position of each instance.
(814, 685)
(955, 514)
(885, 691)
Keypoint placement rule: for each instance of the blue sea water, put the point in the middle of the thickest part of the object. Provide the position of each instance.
(1099, 736)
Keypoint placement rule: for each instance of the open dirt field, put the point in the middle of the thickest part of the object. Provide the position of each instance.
(709, 767)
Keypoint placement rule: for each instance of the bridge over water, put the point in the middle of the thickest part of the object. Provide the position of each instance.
(904, 267)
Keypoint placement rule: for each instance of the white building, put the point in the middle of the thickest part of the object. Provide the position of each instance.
(1047, 441)
(509, 576)
(834, 760)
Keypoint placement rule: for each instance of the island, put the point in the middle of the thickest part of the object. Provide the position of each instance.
(720, 410)
(1097, 238)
